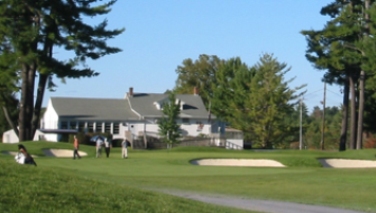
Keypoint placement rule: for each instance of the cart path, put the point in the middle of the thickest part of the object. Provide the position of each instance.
(254, 204)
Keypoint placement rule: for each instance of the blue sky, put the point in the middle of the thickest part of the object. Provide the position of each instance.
(161, 34)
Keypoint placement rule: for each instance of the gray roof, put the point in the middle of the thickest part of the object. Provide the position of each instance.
(101, 109)
(143, 103)
(94, 109)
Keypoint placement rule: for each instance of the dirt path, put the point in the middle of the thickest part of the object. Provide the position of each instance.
(257, 205)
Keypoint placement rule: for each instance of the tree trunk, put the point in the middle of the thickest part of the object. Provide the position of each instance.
(21, 116)
(345, 116)
(9, 120)
(38, 102)
(26, 102)
(353, 114)
(30, 101)
(359, 139)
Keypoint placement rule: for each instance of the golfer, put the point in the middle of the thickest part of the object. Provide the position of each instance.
(76, 145)
(99, 146)
(107, 147)
(124, 146)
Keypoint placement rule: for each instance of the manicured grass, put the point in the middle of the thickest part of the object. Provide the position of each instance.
(47, 189)
(302, 181)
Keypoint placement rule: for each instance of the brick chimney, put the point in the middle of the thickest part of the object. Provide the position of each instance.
(130, 93)
(195, 91)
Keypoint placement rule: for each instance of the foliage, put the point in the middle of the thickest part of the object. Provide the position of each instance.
(268, 103)
(168, 126)
(28, 35)
(230, 88)
(200, 74)
(345, 48)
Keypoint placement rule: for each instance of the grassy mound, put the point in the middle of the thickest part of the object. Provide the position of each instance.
(34, 189)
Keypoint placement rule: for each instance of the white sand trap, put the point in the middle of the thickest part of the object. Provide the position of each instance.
(14, 153)
(61, 153)
(238, 162)
(343, 163)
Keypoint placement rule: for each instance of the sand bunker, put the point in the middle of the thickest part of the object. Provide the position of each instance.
(343, 163)
(14, 153)
(238, 162)
(61, 153)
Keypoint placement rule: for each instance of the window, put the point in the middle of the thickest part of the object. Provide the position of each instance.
(116, 128)
(90, 126)
(81, 126)
(99, 127)
(72, 125)
(64, 125)
(185, 120)
(107, 127)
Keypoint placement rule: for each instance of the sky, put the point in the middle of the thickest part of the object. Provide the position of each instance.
(159, 35)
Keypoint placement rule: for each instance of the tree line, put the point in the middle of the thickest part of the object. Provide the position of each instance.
(256, 99)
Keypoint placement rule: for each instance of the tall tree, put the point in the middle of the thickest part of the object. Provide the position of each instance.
(28, 33)
(200, 74)
(335, 49)
(269, 102)
(229, 89)
(168, 126)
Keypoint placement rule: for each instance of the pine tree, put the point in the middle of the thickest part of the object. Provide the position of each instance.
(339, 49)
(269, 102)
(30, 30)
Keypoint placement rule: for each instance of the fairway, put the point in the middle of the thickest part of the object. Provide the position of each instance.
(303, 180)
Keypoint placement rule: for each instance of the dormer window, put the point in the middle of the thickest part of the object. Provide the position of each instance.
(158, 105)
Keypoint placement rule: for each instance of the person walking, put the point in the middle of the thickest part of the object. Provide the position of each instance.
(76, 145)
(124, 145)
(107, 147)
(99, 144)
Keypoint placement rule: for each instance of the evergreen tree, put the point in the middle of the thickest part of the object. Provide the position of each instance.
(168, 127)
(269, 102)
(345, 48)
(29, 31)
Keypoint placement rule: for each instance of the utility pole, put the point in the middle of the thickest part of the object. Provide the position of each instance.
(301, 129)
(323, 120)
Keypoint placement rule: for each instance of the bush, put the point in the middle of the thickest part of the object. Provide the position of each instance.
(117, 142)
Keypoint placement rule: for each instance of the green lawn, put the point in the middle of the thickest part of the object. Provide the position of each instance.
(302, 181)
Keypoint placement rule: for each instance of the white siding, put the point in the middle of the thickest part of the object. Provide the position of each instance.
(136, 127)
(52, 137)
(234, 143)
(192, 128)
(10, 137)
(50, 117)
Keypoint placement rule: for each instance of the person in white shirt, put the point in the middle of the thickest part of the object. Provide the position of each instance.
(99, 145)
(124, 145)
